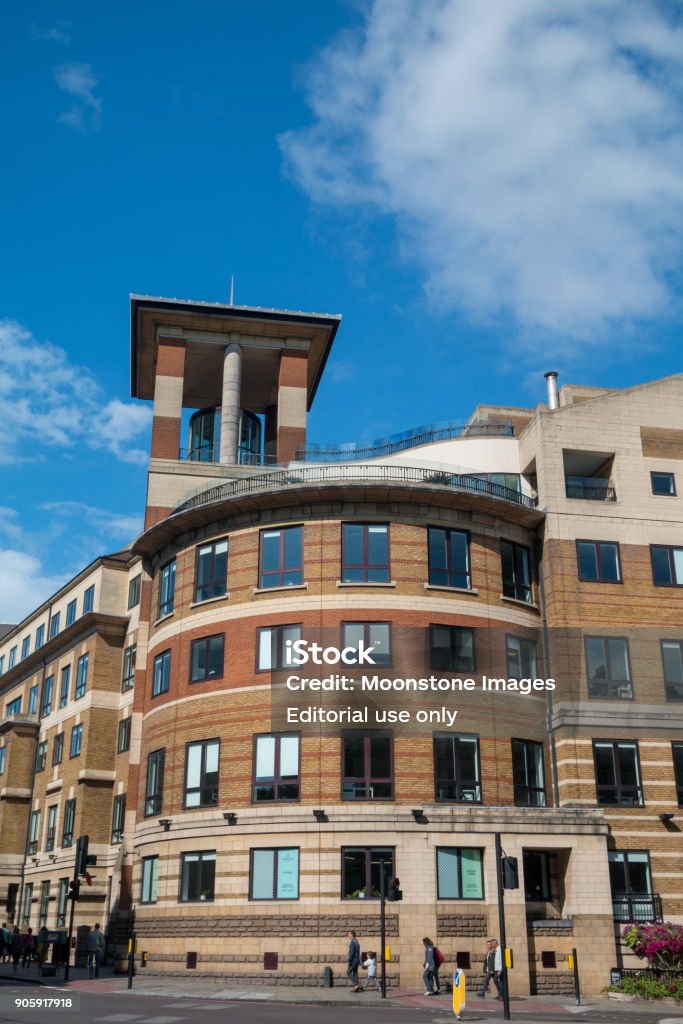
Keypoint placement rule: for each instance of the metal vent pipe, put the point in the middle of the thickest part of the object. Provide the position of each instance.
(551, 384)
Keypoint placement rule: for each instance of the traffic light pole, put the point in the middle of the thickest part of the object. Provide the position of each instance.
(73, 890)
(382, 928)
(501, 926)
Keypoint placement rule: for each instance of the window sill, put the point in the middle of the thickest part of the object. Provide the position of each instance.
(162, 618)
(521, 604)
(470, 591)
(209, 600)
(275, 590)
(362, 583)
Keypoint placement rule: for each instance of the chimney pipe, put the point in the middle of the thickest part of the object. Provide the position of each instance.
(551, 384)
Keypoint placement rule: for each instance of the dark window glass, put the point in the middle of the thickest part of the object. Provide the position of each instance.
(76, 740)
(274, 874)
(54, 625)
(62, 896)
(13, 708)
(361, 871)
(44, 903)
(459, 874)
(46, 703)
(68, 825)
(617, 773)
(134, 591)
(41, 756)
(516, 571)
(672, 659)
(71, 612)
(376, 635)
(167, 589)
(536, 875)
(3, 759)
(81, 677)
(281, 557)
(276, 767)
(197, 876)
(154, 789)
(58, 748)
(456, 768)
(150, 879)
(162, 673)
(598, 561)
(663, 483)
(123, 742)
(33, 700)
(89, 599)
(40, 636)
(521, 658)
(367, 766)
(449, 558)
(667, 566)
(201, 773)
(629, 872)
(212, 571)
(451, 648)
(206, 658)
(271, 644)
(34, 832)
(677, 751)
(118, 818)
(12, 659)
(26, 647)
(528, 774)
(65, 686)
(608, 668)
(365, 553)
(128, 678)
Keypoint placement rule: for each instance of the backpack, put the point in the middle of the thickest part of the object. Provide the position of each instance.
(439, 958)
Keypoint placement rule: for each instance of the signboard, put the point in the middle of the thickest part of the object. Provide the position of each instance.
(472, 878)
(458, 992)
(288, 875)
(615, 976)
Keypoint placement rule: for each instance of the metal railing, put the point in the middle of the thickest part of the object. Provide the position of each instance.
(352, 474)
(590, 490)
(211, 455)
(647, 907)
(402, 442)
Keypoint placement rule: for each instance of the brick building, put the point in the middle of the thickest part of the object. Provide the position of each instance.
(146, 704)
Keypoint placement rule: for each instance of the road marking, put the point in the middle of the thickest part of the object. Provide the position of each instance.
(162, 1020)
(121, 1018)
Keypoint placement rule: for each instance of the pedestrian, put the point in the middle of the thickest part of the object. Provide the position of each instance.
(429, 967)
(353, 960)
(95, 947)
(498, 979)
(15, 947)
(28, 945)
(43, 935)
(371, 967)
(489, 966)
(4, 941)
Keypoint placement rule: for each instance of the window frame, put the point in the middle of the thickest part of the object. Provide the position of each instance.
(524, 642)
(159, 756)
(527, 744)
(599, 544)
(365, 566)
(366, 623)
(460, 850)
(203, 785)
(276, 850)
(514, 583)
(134, 591)
(453, 631)
(609, 681)
(123, 735)
(149, 885)
(81, 680)
(669, 548)
(47, 696)
(76, 732)
(71, 609)
(88, 599)
(212, 544)
(40, 637)
(69, 818)
(277, 777)
(64, 685)
(209, 855)
(277, 630)
(546, 891)
(368, 779)
(33, 840)
(41, 756)
(118, 819)
(617, 786)
(164, 660)
(167, 582)
(458, 781)
(128, 668)
(678, 779)
(449, 570)
(58, 749)
(25, 648)
(13, 707)
(281, 571)
(33, 695)
(55, 622)
(667, 682)
(62, 901)
(626, 854)
(51, 827)
(207, 641)
(663, 494)
(389, 870)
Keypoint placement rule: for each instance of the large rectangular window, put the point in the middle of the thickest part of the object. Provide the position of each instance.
(154, 789)
(451, 648)
(276, 767)
(211, 578)
(608, 668)
(65, 686)
(71, 612)
(118, 818)
(51, 828)
(54, 625)
(201, 773)
(521, 658)
(449, 558)
(516, 571)
(162, 673)
(373, 635)
(58, 748)
(598, 561)
(617, 773)
(631, 884)
(34, 832)
(167, 589)
(281, 561)
(76, 740)
(41, 756)
(197, 876)
(134, 586)
(25, 647)
(89, 599)
(150, 879)
(13, 708)
(128, 676)
(62, 897)
(68, 823)
(536, 875)
(667, 566)
(459, 874)
(365, 553)
(361, 871)
(456, 768)
(274, 874)
(46, 703)
(271, 646)
(677, 752)
(663, 483)
(672, 660)
(81, 677)
(206, 658)
(528, 774)
(367, 766)
(33, 700)
(40, 637)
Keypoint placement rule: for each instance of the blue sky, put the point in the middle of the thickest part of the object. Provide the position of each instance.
(483, 191)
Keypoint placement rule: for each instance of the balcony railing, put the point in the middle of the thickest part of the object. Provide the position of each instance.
(353, 474)
(211, 454)
(401, 442)
(589, 488)
(626, 909)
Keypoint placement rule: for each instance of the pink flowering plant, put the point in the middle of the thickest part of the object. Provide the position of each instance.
(660, 944)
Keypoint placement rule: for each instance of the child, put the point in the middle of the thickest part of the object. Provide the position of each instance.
(371, 966)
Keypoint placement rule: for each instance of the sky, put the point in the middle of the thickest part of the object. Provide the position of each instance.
(483, 191)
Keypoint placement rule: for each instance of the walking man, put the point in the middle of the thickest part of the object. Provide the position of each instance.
(353, 960)
(489, 966)
(95, 948)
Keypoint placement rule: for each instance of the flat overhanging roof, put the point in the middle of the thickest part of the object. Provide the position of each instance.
(150, 316)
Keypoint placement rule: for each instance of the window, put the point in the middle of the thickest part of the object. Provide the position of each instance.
(271, 646)
(81, 676)
(41, 756)
(206, 658)
(28, 900)
(456, 768)
(44, 902)
(667, 566)
(167, 589)
(617, 773)
(25, 647)
(89, 599)
(71, 612)
(76, 740)
(118, 818)
(629, 872)
(13, 708)
(12, 897)
(197, 876)
(536, 875)
(449, 558)
(528, 774)
(516, 571)
(663, 483)
(33, 700)
(68, 825)
(51, 828)
(63, 893)
(361, 871)
(150, 879)
(451, 648)
(154, 790)
(123, 741)
(3, 759)
(46, 705)
(274, 874)
(276, 767)
(598, 561)
(34, 832)
(367, 766)
(64, 686)
(162, 673)
(677, 751)
(128, 679)
(12, 657)
(672, 659)
(459, 874)
(521, 658)
(608, 668)
(134, 591)
(58, 748)
(281, 562)
(2, 664)
(211, 577)
(376, 635)
(365, 553)
(40, 637)
(54, 625)
(201, 773)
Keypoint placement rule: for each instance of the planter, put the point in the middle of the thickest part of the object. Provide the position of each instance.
(621, 997)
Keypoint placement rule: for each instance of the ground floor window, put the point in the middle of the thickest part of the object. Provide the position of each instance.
(197, 876)
(361, 870)
(536, 875)
(459, 873)
(274, 874)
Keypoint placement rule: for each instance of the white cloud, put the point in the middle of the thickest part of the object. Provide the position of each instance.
(57, 33)
(79, 81)
(24, 584)
(48, 402)
(112, 524)
(531, 153)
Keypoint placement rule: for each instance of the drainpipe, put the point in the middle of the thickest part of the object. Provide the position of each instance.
(546, 658)
(20, 897)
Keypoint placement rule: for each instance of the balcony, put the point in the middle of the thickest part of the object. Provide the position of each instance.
(646, 908)
(587, 488)
(402, 442)
(587, 475)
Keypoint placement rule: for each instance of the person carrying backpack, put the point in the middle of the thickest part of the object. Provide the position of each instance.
(439, 960)
(431, 970)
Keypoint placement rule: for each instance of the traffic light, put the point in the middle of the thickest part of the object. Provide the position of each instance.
(81, 855)
(394, 890)
(510, 873)
(74, 888)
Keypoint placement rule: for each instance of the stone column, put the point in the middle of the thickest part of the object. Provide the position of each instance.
(291, 404)
(230, 404)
